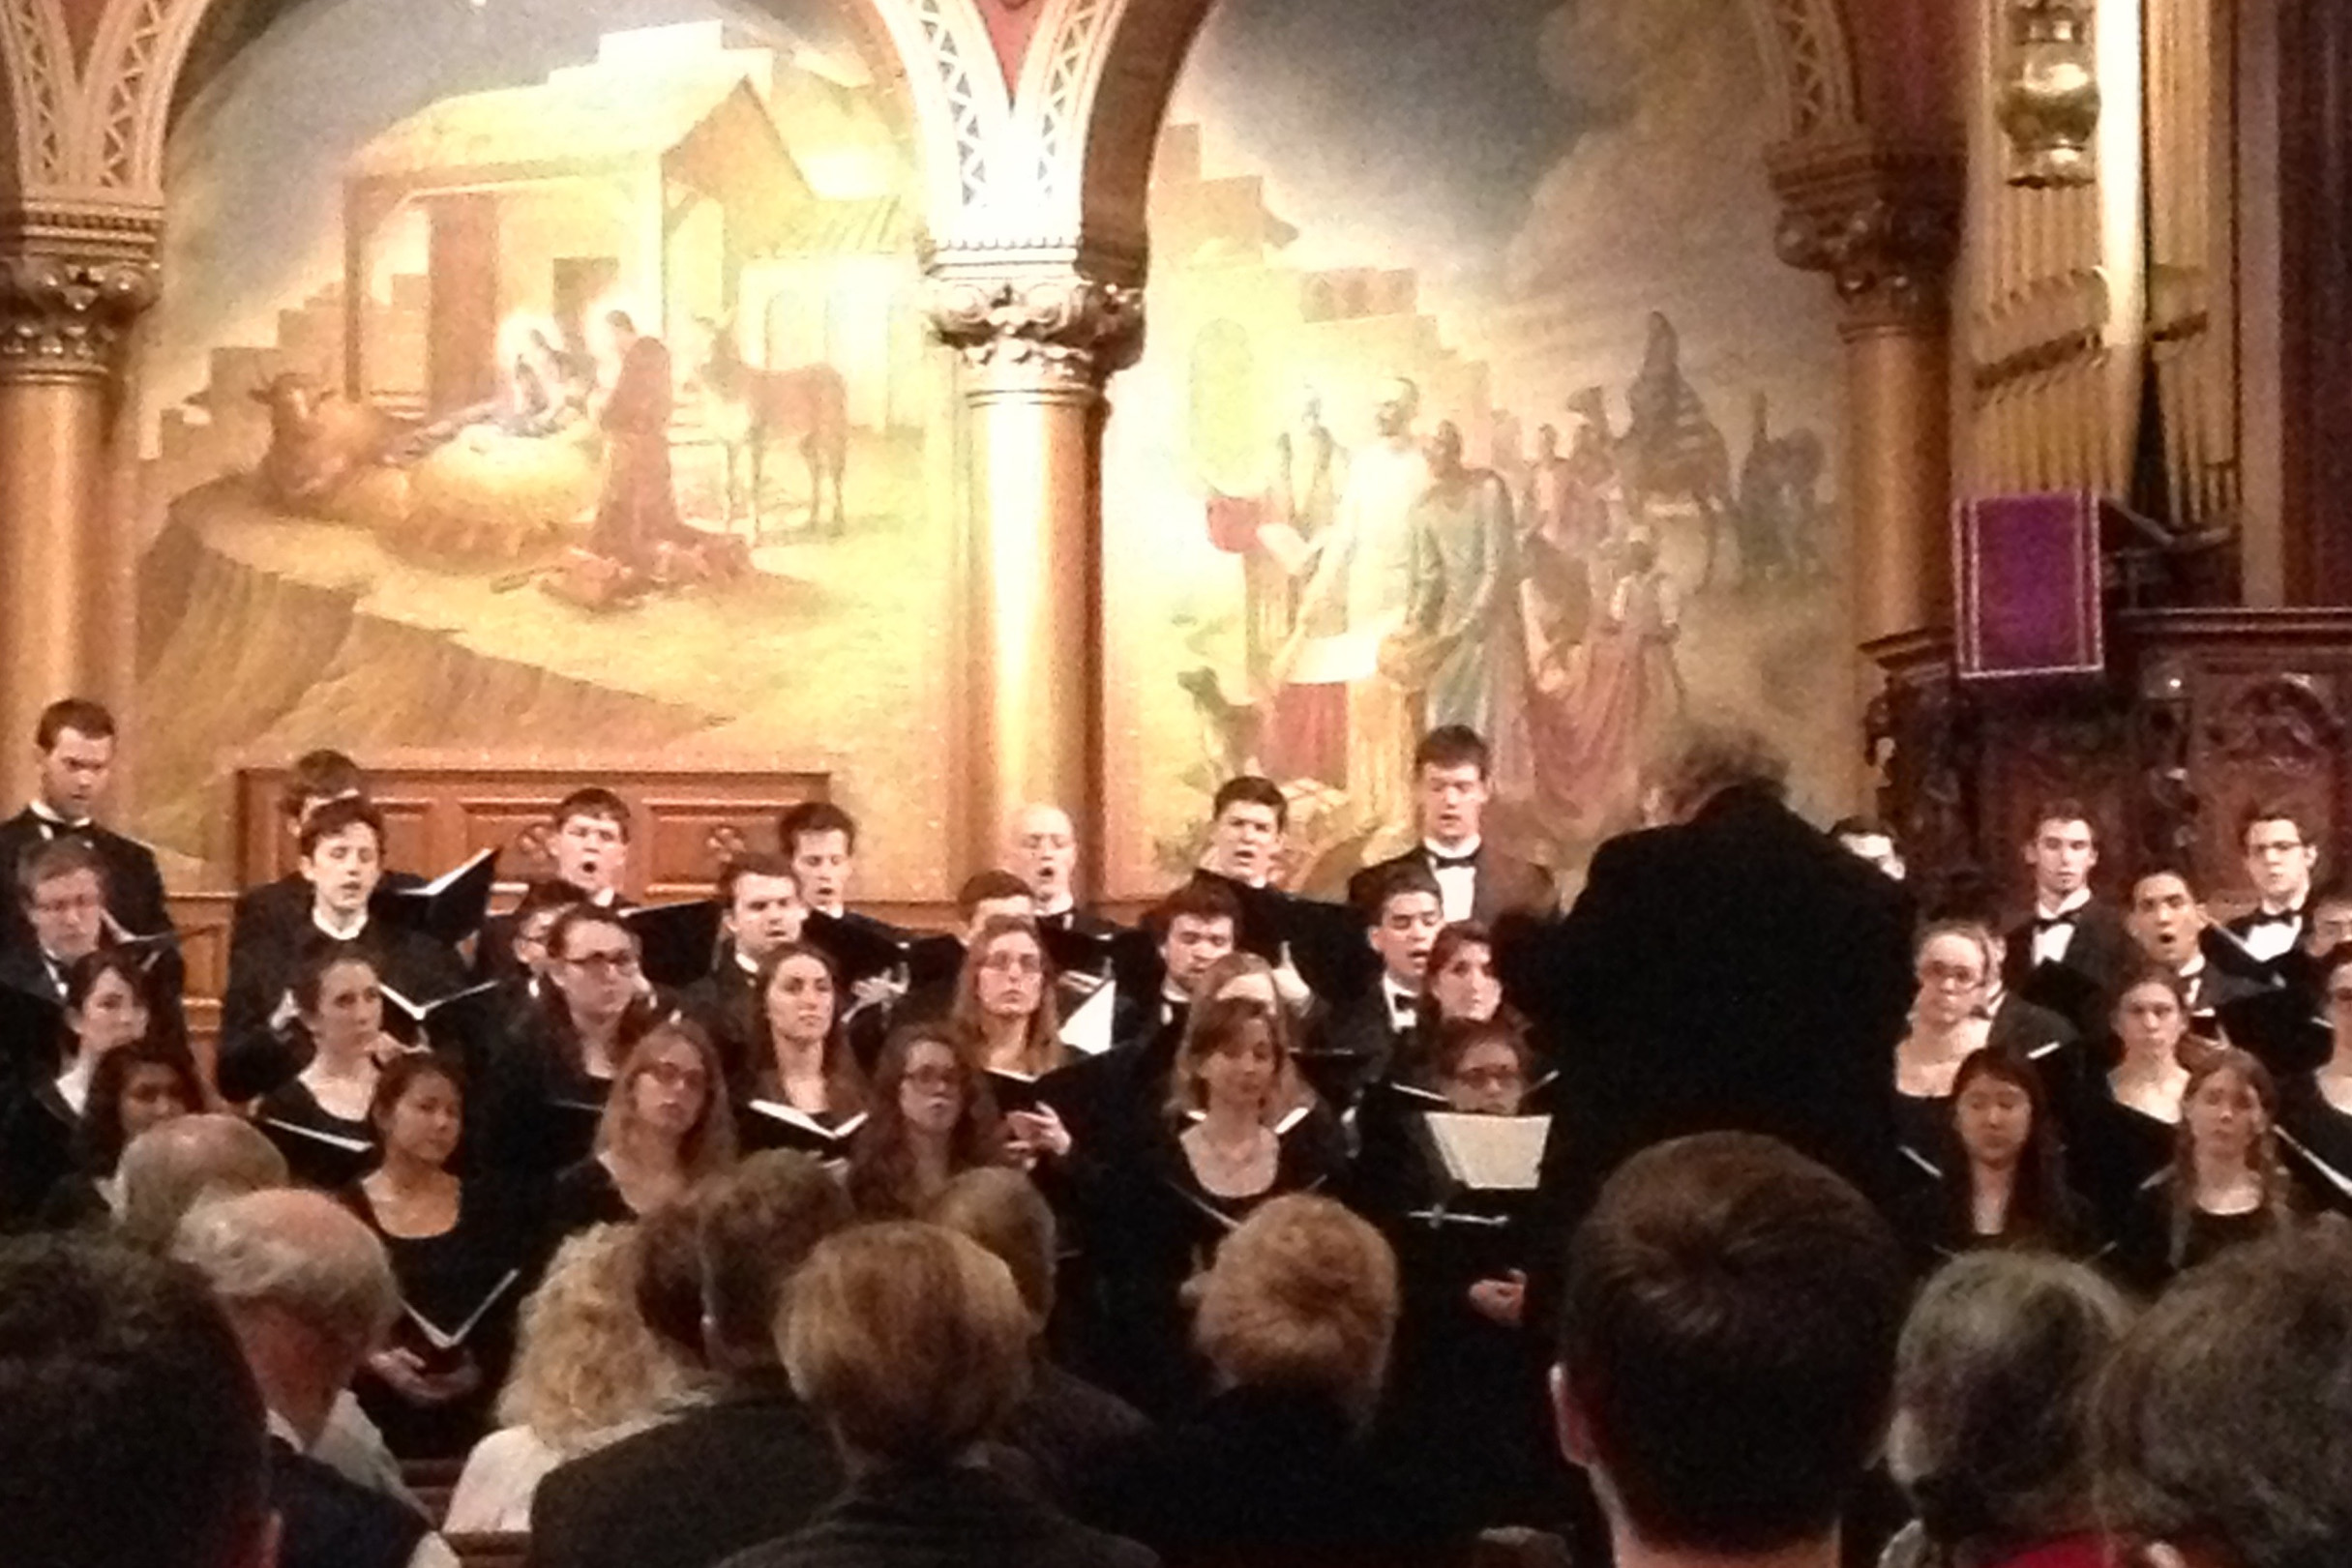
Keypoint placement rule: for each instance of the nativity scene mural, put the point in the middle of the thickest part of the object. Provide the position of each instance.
(1474, 395)
(545, 377)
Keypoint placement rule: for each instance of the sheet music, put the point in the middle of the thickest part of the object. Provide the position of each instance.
(333, 1140)
(1493, 1154)
(1088, 1030)
(442, 1339)
(794, 1116)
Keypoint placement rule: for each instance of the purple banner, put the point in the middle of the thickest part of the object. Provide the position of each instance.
(2028, 580)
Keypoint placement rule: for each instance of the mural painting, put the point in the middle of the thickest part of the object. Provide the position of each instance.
(1474, 395)
(548, 375)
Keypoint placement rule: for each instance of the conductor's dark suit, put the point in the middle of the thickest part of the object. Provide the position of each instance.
(1738, 971)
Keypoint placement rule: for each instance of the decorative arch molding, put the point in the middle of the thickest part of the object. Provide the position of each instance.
(1809, 56)
(37, 78)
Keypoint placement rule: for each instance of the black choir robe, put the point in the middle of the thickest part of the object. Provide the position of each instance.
(257, 1058)
(1503, 885)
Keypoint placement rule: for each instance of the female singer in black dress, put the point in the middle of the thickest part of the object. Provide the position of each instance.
(320, 1120)
(1461, 984)
(805, 1090)
(462, 1252)
(1007, 1025)
(932, 1117)
(1953, 962)
(2121, 1137)
(545, 1094)
(2315, 1107)
(136, 1086)
(2225, 1185)
(666, 1128)
(107, 1007)
(2004, 1185)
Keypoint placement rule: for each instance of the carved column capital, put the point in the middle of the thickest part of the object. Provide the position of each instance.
(1060, 332)
(71, 292)
(1883, 222)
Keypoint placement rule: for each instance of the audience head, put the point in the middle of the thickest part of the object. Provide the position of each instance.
(756, 1227)
(1233, 1056)
(139, 1086)
(585, 1360)
(1198, 924)
(1302, 1296)
(1481, 1066)
(2062, 849)
(1726, 1274)
(1246, 825)
(2281, 852)
(2150, 1013)
(73, 742)
(1453, 773)
(1953, 960)
(1720, 760)
(820, 839)
(63, 887)
(542, 904)
(666, 1243)
(590, 841)
(1408, 912)
(342, 857)
(764, 907)
(1002, 1210)
(1041, 846)
(419, 1109)
(993, 895)
(306, 1287)
(170, 1170)
(131, 1431)
(339, 999)
(317, 778)
(909, 1340)
(1993, 1380)
(2164, 918)
(1462, 983)
(2223, 1424)
(671, 1094)
(109, 1001)
(1871, 839)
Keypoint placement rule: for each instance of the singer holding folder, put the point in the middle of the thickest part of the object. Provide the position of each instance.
(804, 1090)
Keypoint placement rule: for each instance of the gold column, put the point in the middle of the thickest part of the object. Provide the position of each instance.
(1036, 349)
(67, 301)
(1883, 222)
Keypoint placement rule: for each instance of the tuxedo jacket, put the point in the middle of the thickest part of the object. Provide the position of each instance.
(134, 884)
(1503, 884)
(725, 1003)
(2099, 955)
(1362, 1027)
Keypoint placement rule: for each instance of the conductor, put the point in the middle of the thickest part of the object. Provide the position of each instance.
(1735, 969)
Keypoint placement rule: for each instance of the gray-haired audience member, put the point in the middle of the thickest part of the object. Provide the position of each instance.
(309, 1294)
(1991, 1437)
(1065, 1425)
(131, 1431)
(2224, 1422)
(168, 1170)
(1727, 1352)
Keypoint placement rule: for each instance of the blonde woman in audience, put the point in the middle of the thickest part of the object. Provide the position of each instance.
(587, 1372)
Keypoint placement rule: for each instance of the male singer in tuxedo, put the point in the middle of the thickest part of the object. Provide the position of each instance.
(588, 840)
(2166, 924)
(1453, 782)
(2281, 855)
(762, 912)
(1734, 968)
(74, 741)
(1041, 849)
(1378, 1026)
(61, 890)
(2073, 953)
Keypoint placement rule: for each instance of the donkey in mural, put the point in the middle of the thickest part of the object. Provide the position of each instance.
(747, 408)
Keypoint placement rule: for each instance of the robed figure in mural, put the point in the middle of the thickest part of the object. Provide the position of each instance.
(639, 509)
(1616, 705)
(1466, 577)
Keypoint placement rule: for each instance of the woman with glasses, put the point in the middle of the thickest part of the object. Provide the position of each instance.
(2315, 1107)
(804, 1090)
(932, 1119)
(1006, 1024)
(1953, 963)
(546, 1092)
(664, 1128)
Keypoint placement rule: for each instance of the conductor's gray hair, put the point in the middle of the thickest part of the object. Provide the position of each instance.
(300, 1252)
(1714, 757)
(2224, 1421)
(1993, 1382)
(188, 1161)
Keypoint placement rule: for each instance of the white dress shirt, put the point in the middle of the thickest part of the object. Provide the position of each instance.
(2050, 942)
(2273, 932)
(1404, 1006)
(1457, 885)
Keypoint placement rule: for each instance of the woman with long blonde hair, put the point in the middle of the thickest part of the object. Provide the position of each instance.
(666, 1127)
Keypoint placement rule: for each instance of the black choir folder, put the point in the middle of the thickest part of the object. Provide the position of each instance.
(440, 1348)
(676, 942)
(445, 1022)
(863, 948)
(1488, 1154)
(449, 908)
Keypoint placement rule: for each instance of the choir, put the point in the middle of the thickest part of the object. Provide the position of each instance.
(2140, 1088)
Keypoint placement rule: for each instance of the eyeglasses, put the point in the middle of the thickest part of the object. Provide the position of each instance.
(935, 1077)
(605, 964)
(1013, 963)
(671, 1076)
(1950, 974)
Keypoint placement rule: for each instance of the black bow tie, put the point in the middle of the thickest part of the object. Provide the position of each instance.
(2050, 923)
(1452, 863)
(2282, 917)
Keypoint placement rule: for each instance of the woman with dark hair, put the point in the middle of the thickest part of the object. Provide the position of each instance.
(319, 1119)
(2003, 1185)
(932, 1119)
(462, 1254)
(107, 1008)
(545, 1096)
(2315, 1107)
(2225, 1185)
(2121, 1137)
(666, 1128)
(136, 1087)
(804, 1090)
